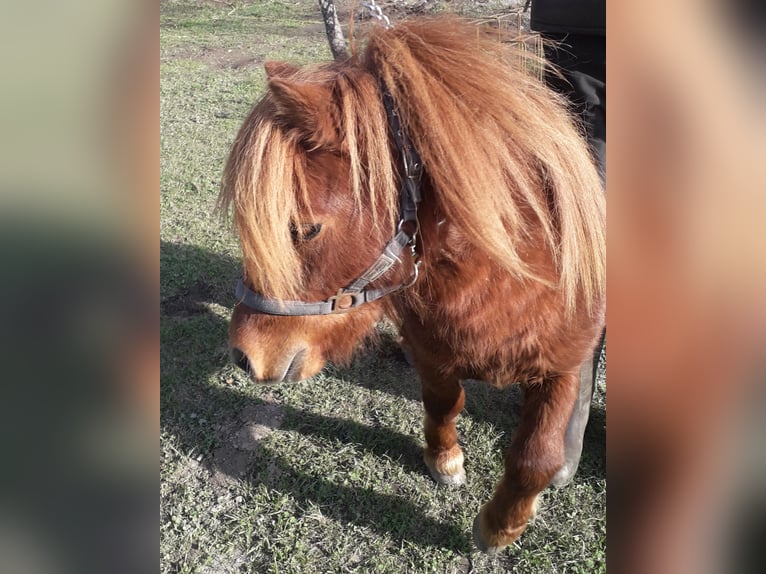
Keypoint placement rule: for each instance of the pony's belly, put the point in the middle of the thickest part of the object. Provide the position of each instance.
(503, 375)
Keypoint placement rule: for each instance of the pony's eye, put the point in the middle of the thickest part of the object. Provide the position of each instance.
(305, 231)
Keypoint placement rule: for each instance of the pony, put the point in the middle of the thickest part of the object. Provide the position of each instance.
(428, 179)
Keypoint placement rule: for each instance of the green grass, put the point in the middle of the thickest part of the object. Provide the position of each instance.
(324, 475)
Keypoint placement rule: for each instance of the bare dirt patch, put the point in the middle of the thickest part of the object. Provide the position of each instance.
(260, 421)
(243, 441)
(234, 58)
(218, 58)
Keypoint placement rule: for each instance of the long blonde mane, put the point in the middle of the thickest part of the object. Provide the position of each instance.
(504, 157)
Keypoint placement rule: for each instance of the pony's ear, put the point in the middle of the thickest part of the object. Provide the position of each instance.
(279, 69)
(308, 108)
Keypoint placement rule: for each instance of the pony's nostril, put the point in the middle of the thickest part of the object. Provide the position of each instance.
(240, 359)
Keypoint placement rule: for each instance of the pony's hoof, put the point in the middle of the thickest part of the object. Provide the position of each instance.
(446, 467)
(493, 542)
(478, 539)
(448, 479)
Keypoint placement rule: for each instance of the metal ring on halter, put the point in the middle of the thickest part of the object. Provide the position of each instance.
(414, 233)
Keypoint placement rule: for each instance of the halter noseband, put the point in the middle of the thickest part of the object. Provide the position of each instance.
(355, 294)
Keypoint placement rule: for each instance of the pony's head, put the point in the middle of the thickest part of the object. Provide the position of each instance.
(312, 188)
(312, 183)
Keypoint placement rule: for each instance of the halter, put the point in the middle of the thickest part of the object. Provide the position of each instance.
(356, 294)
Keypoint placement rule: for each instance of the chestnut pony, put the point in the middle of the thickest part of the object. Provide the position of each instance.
(492, 262)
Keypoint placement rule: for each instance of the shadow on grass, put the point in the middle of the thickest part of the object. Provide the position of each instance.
(500, 408)
(193, 345)
(384, 513)
(378, 441)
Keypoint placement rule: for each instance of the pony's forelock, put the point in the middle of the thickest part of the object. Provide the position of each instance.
(266, 184)
(263, 185)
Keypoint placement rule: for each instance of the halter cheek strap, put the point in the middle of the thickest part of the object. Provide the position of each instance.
(355, 294)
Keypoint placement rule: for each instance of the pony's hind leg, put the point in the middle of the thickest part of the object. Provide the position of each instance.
(575, 433)
(534, 457)
(443, 399)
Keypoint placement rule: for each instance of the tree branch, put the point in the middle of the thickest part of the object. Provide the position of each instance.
(333, 29)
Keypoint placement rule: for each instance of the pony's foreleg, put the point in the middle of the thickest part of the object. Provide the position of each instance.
(536, 454)
(443, 399)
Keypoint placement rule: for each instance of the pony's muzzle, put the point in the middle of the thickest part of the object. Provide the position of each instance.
(289, 372)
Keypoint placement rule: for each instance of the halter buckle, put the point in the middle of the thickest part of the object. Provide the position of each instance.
(342, 301)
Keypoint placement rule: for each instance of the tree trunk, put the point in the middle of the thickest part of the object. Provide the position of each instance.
(333, 29)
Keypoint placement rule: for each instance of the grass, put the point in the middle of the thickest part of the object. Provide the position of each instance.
(324, 475)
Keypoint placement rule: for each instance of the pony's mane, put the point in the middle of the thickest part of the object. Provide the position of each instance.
(497, 143)
(504, 157)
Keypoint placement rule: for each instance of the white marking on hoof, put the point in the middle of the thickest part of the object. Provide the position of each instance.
(448, 479)
(447, 466)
